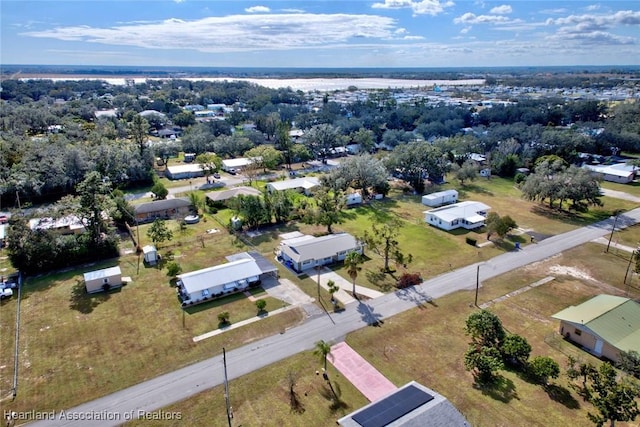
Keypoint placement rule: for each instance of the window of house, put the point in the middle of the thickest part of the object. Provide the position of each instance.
(577, 332)
(205, 293)
(105, 280)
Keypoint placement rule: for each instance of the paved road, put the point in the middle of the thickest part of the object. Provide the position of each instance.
(169, 388)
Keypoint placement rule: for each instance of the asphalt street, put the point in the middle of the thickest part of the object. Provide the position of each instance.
(164, 390)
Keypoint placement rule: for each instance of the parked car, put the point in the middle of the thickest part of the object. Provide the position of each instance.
(216, 175)
(232, 171)
(5, 292)
(4, 219)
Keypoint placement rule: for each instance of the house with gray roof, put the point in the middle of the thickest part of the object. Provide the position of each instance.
(221, 196)
(412, 405)
(162, 209)
(605, 325)
(304, 252)
(244, 270)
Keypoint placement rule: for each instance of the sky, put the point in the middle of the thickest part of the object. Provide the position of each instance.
(315, 33)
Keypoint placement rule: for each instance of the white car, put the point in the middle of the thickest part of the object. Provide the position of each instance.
(6, 293)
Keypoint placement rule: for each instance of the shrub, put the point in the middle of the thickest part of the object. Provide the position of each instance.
(408, 279)
(223, 317)
(541, 368)
(520, 178)
(471, 241)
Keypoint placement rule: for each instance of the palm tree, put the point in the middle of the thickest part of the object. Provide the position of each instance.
(352, 262)
(322, 350)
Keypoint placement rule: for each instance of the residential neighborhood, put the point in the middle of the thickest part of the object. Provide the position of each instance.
(352, 246)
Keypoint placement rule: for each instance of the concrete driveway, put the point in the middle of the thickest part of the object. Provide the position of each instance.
(346, 286)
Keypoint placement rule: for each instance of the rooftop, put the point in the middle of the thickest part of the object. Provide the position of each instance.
(612, 318)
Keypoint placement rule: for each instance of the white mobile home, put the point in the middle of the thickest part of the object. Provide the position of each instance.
(103, 280)
(187, 171)
(243, 271)
(304, 252)
(236, 164)
(469, 215)
(440, 198)
(622, 173)
(302, 185)
(353, 199)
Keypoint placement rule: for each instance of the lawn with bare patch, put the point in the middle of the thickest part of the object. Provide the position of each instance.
(76, 347)
(263, 398)
(427, 344)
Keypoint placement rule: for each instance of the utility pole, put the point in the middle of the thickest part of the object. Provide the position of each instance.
(615, 220)
(477, 284)
(226, 386)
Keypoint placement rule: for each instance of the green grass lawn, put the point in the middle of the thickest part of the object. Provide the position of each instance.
(263, 399)
(427, 344)
(75, 347)
(632, 188)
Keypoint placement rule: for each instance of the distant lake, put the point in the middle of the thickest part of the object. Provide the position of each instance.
(303, 84)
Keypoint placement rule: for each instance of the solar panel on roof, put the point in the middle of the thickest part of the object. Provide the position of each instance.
(393, 407)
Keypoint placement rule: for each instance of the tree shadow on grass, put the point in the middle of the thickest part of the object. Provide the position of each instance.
(332, 393)
(83, 302)
(562, 395)
(380, 279)
(501, 389)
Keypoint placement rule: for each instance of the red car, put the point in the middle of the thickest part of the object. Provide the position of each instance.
(4, 219)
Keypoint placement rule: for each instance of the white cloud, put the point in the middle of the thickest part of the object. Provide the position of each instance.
(179, 1)
(413, 38)
(622, 17)
(505, 9)
(257, 9)
(465, 30)
(293, 10)
(236, 33)
(422, 7)
(593, 7)
(471, 18)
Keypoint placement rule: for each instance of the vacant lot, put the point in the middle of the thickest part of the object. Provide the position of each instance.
(427, 345)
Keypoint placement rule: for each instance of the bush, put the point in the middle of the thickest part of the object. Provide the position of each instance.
(471, 241)
(541, 368)
(520, 178)
(408, 279)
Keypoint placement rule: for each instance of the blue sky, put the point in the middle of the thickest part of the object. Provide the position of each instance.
(332, 33)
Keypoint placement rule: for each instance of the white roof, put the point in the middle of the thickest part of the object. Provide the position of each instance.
(101, 274)
(71, 222)
(439, 194)
(148, 249)
(3, 230)
(217, 196)
(621, 169)
(464, 210)
(236, 163)
(319, 247)
(192, 167)
(230, 272)
(290, 184)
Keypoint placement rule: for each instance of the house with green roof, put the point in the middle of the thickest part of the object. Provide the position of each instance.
(605, 325)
